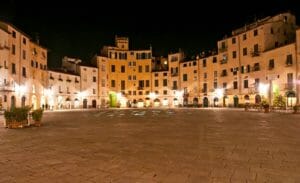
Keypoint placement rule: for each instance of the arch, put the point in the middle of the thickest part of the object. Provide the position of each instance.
(247, 99)
(76, 103)
(291, 98)
(257, 99)
(23, 101)
(195, 101)
(235, 101)
(156, 100)
(216, 102)
(290, 94)
(12, 102)
(85, 103)
(94, 103)
(205, 102)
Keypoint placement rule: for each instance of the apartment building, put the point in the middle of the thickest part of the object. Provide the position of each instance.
(23, 69)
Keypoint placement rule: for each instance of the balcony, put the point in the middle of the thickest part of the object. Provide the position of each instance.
(223, 74)
(255, 53)
(288, 63)
(289, 86)
(140, 88)
(174, 88)
(223, 49)
(223, 61)
(6, 87)
(174, 74)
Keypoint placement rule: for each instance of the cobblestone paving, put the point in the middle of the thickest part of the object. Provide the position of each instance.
(168, 146)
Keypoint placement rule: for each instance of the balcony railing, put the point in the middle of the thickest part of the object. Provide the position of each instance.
(255, 53)
(289, 86)
(223, 61)
(223, 49)
(7, 87)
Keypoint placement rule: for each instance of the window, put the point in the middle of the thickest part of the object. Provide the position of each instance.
(141, 84)
(113, 83)
(133, 63)
(271, 64)
(215, 74)
(147, 92)
(276, 44)
(13, 34)
(234, 54)
(134, 77)
(156, 83)
(184, 65)
(147, 83)
(195, 71)
(256, 67)
(32, 63)
(36, 64)
(289, 60)
(147, 68)
(5, 98)
(244, 36)
(224, 85)
(165, 92)
(102, 82)
(13, 49)
(204, 62)
(194, 63)
(190, 64)
(235, 85)
(271, 31)
(245, 83)
(140, 68)
(233, 40)
(214, 59)
(242, 69)
(174, 85)
(122, 84)
(140, 92)
(41, 66)
(224, 73)
(184, 77)
(248, 68)
(215, 85)
(244, 51)
(204, 87)
(255, 32)
(94, 79)
(13, 68)
(165, 82)
(24, 40)
(24, 54)
(24, 72)
(134, 92)
(122, 68)
(165, 74)
(205, 75)
(129, 92)
(113, 68)
(290, 79)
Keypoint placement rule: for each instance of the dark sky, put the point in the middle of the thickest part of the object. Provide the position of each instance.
(80, 29)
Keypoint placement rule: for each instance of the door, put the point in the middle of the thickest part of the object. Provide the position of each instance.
(205, 102)
(84, 103)
(235, 101)
(94, 103)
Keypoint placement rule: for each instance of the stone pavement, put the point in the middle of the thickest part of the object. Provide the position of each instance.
(176, 145)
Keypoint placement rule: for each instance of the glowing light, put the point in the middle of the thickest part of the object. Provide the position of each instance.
(219, 92)
(165, 102)
(263, 88)
(152, 95)
(178, 93)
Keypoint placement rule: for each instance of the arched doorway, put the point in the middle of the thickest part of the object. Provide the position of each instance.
(195, 102)
(247, 99)
(23, 101)
(257, 99)
(185, 101)
(225, 101)
(12, 102)
(291, 98)
(94, 103)
(76, 103)
(33, 102)
(235, 101)
(140, 103)
(175, 102)
(216, 102)
(68, 103)
(85, 103)
(205, 102)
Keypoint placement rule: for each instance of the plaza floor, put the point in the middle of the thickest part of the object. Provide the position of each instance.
(159, 145)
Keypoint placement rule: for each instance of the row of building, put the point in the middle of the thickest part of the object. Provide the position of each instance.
(257, 62)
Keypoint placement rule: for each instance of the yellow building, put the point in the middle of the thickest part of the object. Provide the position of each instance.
(128, 74)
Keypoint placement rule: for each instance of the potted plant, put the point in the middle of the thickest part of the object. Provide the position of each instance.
(266, 106)
(16, 117)
(37, 116)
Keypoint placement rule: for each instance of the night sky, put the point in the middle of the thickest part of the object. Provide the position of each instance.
(80, 29)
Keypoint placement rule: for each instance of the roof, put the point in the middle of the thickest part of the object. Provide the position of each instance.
(62, 71)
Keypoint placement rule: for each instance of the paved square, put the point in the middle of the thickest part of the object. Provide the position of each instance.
(176, 145)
